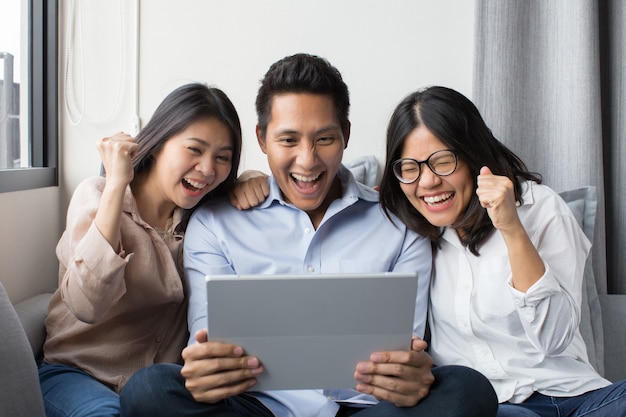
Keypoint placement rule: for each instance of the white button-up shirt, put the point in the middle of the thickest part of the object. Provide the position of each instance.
(522, 342)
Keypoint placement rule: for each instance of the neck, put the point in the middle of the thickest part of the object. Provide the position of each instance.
(154, 210)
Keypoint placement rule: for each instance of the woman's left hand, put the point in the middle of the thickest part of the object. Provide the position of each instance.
(496, 194)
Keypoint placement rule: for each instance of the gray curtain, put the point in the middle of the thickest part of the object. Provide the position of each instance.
(550, 80)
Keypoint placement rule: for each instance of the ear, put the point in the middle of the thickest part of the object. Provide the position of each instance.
(346, 134)
(261, 140)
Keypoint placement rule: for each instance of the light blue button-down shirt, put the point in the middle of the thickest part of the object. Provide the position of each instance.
(277, 238)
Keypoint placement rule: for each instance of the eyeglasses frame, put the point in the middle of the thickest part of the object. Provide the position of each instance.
(419, 164)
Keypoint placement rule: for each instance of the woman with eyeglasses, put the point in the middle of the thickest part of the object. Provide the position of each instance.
(509, 258)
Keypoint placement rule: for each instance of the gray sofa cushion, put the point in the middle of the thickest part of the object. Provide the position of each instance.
(364, 169)
(583, 203)
(32, 313)
(20, 394)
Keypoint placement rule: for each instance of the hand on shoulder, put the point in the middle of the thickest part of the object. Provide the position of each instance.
(250, 190)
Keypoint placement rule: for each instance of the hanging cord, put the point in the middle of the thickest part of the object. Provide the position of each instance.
(135, 119)
(68, 91)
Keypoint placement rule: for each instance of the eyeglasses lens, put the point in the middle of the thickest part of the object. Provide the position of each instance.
(441, 163)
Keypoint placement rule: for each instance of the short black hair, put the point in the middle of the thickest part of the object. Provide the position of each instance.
(302, 73)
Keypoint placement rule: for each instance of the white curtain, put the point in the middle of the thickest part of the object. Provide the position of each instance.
(550, 80)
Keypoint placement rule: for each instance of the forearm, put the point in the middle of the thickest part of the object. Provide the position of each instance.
(109, 215)
(550, 309)
(527, 267)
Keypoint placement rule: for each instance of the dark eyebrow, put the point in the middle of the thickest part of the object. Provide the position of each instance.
(329, 129)
(287, 132)
(208, 145)
(325, 129)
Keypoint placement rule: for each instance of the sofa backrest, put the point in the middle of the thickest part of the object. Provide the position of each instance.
(583, 203)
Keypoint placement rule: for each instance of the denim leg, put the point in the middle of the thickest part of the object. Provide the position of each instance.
(515, 410)
(604, 402)
(457, 392)
(68, 391)
(159, 390)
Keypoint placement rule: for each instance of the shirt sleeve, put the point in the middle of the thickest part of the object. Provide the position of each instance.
(416, 256)
(202, 256)
(550, 310)
(91, 274)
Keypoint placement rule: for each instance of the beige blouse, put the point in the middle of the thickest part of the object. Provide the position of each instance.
(114, 314)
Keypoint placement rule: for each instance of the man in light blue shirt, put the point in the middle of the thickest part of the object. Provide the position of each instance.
(317, 219)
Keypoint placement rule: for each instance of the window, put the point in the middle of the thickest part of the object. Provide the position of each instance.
(28, 94)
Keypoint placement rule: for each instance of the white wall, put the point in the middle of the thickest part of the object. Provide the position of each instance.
(383, 49)
(30, 227)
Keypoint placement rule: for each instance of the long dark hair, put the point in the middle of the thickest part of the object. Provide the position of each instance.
(181, 108)
(457, 123)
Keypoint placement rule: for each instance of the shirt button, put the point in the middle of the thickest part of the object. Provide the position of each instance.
(307, 230)
(310, 268)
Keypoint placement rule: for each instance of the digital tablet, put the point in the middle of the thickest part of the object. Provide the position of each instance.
(309, 331)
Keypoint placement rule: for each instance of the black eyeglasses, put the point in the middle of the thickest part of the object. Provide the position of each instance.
(409, 170)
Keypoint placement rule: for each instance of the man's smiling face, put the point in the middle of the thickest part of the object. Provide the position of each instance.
(304, 144)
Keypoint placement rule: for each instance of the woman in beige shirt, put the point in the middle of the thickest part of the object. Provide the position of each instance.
(121, 304)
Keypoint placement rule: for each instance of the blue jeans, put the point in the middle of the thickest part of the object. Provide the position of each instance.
(604, 402)
(159, 390)
(68, 391)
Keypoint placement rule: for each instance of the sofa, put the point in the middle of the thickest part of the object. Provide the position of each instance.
(603, 326)
(23, 334)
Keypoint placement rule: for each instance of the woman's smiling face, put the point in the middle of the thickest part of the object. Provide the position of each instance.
(441, 200)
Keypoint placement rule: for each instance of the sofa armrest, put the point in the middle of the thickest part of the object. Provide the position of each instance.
(614, 328)
(20, 394)
(32, 313)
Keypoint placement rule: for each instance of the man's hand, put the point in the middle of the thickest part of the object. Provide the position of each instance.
(214, 371)
(400, 377)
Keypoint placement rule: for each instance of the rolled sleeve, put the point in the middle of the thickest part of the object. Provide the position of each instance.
(87, 292)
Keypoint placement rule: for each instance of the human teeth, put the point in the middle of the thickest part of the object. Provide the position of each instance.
(194, 184)
(437, 198)
(302, 178)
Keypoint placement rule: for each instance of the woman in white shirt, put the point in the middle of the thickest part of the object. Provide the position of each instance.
(509, 259)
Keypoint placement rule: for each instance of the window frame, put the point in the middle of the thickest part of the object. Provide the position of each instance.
(42, 102)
